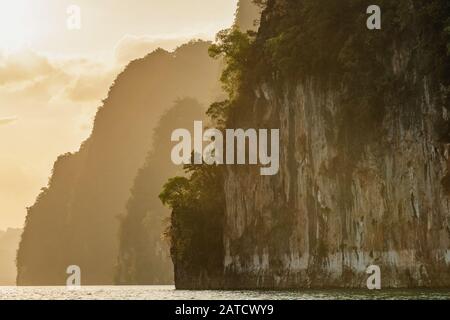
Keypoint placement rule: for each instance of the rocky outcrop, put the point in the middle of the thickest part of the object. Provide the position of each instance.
(326, 217)
(364, 149)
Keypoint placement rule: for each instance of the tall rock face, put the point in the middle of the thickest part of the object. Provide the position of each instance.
(326, 217)
(364, 149)
(75, 220)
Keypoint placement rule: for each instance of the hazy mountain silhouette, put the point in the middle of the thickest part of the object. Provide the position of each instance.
(75, 219)
(144, 256)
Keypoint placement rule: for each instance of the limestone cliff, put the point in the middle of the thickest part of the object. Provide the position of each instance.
(325, 218)
(364, 152)
(364, 148)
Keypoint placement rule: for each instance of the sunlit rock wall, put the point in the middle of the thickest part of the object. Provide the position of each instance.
(328, 215)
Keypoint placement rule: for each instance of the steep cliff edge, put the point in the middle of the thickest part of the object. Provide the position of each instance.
(327, 217)
(363, 118)
(364, 148)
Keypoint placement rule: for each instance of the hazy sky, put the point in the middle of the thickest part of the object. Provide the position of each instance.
(52, 79)
(42, 23)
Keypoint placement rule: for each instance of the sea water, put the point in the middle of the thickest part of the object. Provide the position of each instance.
(169, 293)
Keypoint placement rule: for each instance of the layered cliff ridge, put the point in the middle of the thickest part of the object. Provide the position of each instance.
(75, 220)
(364, 149)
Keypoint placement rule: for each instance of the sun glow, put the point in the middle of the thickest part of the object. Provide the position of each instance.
(15, 24)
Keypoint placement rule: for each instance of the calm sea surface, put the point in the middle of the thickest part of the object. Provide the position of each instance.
(169, 293)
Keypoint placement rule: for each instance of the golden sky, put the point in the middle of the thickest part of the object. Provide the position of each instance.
(52, 79)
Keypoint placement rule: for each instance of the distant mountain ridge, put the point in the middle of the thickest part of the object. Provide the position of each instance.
(75, 219)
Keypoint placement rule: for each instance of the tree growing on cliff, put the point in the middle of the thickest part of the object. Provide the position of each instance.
(196, 227)
(234, 46)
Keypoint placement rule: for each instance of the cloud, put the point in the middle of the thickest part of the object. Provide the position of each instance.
(8, 120)
(24, 66)
(30, 77)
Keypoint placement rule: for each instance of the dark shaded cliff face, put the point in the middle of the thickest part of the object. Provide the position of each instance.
(75, 220)
(363, 118)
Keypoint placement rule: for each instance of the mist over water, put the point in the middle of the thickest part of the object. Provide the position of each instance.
(169, 293)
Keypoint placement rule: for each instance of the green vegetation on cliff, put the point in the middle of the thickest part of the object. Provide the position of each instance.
(196, 227)
(328, 42)
(366, 86)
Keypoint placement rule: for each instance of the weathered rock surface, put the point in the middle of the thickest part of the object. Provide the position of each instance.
(327, 216)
